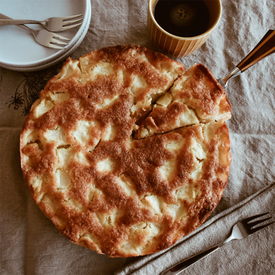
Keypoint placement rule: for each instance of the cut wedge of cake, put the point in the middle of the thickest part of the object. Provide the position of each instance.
(195, 97)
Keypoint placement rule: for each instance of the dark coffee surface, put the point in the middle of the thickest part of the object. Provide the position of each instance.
(184, 18)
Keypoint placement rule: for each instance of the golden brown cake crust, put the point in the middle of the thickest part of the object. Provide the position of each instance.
(195, 96)
(101, 187)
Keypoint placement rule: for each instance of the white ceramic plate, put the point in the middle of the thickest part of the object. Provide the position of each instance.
(18, 49)
(56, 60)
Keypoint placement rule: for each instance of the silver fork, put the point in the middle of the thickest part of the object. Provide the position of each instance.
(263, 49)
(44, 37)
(55, 24)
(240, 230)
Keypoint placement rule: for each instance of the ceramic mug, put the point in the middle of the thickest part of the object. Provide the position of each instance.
(177, 46)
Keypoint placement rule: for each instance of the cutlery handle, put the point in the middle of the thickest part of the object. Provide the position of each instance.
(176, 269)
(264, 48)
(4, 22)
(20, 26)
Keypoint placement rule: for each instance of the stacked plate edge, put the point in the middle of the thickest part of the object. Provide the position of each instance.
(18, 49)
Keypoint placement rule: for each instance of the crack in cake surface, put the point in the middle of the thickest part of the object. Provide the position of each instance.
(104, 189)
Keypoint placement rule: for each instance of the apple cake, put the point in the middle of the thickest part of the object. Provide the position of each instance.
(126, 151)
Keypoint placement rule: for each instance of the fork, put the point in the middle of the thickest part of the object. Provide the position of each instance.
(55, 24)
(44, 37)
(263, 49)
(240, 230)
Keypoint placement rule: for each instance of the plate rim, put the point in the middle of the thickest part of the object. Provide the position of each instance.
(53, 62)
(59, 54)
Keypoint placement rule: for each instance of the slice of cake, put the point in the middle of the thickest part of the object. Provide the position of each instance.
(195, 97)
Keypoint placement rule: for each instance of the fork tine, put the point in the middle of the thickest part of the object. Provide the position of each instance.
(71, 16)
(257, 222)
(260, 227)
(71, 26)
(55, 47)
(254, 217)
(60, 36)
(65, 23)
(58, 42)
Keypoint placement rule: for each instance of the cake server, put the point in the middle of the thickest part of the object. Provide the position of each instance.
(263, 49)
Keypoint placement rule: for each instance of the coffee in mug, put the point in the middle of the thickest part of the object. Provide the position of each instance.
(179, 27)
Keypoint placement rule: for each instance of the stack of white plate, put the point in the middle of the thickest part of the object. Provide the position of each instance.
(18, 49)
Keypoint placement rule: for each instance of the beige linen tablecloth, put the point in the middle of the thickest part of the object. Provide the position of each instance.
(29, 242)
